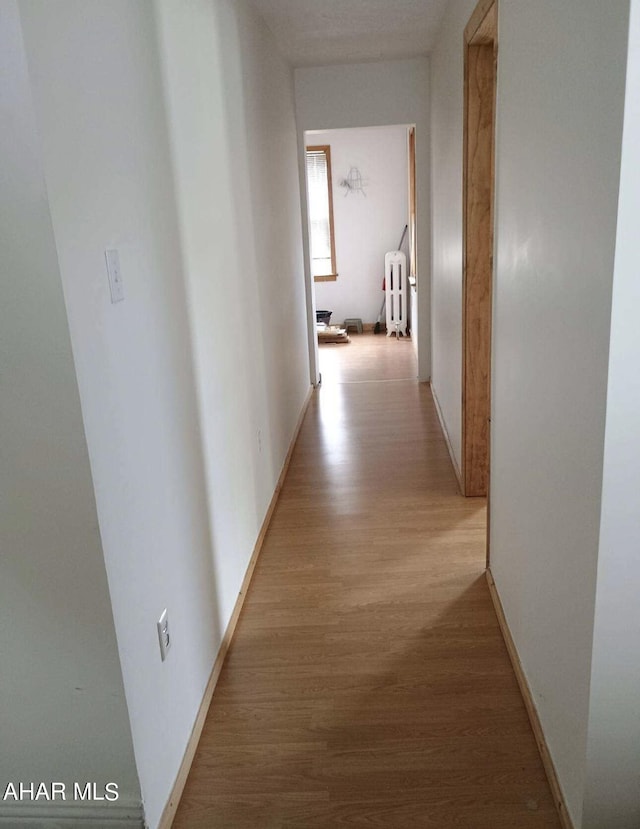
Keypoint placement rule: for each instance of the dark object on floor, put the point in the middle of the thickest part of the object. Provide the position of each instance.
(353, 322)
(324, 316)
(377, 327)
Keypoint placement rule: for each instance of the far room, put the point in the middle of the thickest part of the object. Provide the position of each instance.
(361, 202)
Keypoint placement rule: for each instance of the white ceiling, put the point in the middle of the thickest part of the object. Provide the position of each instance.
(320, 32)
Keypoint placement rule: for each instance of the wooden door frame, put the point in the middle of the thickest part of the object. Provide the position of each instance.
(480, 55)
(413, 269)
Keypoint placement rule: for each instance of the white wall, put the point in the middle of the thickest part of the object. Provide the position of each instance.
(230, 100)
(613, 759)
(378, 94)
(560, 97)
(176, 381)
(366, 227)
(64, 715)
(560, 102)
(446, 209)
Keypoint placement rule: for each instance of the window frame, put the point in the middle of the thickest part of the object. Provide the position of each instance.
(330, 277)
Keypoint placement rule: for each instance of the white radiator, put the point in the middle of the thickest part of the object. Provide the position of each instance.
(395, 278)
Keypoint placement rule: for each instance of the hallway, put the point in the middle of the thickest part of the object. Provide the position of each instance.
(368, 683)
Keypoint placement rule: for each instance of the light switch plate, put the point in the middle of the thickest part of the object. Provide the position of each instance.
(115, 275)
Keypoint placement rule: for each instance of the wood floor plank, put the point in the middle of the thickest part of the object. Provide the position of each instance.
(368, 683)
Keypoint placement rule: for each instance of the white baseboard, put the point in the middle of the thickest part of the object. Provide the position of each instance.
(447, 439)
(48, 815)
(171, 806)
(532, 711)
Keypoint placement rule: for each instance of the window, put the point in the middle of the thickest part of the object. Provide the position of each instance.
(323, 246)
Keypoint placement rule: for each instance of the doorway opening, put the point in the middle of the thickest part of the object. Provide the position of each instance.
(361, 204)
(480, 63)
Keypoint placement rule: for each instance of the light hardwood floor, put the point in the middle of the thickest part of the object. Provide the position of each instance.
(368, 683)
